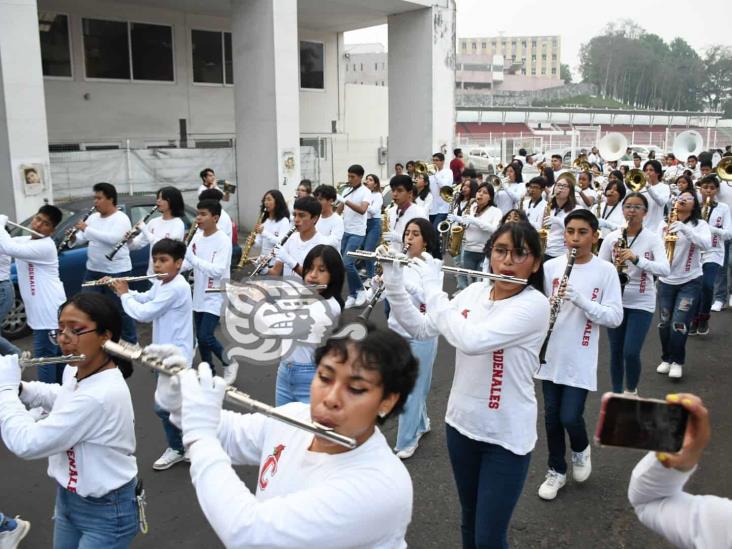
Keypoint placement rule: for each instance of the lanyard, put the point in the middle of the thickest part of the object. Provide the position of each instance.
(609, 213)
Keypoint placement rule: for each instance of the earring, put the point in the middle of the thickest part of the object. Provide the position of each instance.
(382, 414)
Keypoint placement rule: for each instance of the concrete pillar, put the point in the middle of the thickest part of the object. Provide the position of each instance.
(266, 62)
(422, 82)
(23, 132)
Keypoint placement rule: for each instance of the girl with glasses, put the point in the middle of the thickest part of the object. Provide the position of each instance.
(642, 257)
(497, 329)
(562, 203)
(611, 208)
(88, 435)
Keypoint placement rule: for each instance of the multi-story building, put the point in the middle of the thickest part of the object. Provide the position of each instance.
(532, 55)
(366, 64)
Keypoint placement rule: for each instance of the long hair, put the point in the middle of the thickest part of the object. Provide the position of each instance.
(516, 166)
(491, 192)
(333, 264)
(571, 203)
(429, 235)
(522, 234)
(281, 209)
(696, 210)
(174, 198)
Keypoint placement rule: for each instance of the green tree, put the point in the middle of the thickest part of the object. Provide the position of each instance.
(565, 73)
(716, 87)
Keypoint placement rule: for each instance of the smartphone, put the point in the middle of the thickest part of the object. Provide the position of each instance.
(643, 423)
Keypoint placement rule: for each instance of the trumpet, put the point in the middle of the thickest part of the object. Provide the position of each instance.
(26, 361)
(28, 229)
(455, 271)
(226, 186)
(132, 352)
(108, 281)
(243, 289)
(132, 233)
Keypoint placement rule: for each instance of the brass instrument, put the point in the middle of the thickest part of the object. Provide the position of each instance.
(191, 233)
(543, 231)
(377, 295)
(612, 147)
(670, 238)
(456, 271)
(26, 361)
(108, 281)
(264, 261)
(621, 266)
(452, 233)
(569, 177)
(249, 243)
(582, 165)
(707, 209)
(27, 229)
(636, 180)
(132, 233)
(686, 144)
(724, 170)
(556, 303)
(495, 181)
(448, 193)
(385, 223)
(70, 232)
(132, 352)
(226, 186)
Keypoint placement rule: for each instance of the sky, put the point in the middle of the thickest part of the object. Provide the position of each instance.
(701, 24)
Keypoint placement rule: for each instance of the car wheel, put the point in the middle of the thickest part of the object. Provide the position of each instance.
(15, 324)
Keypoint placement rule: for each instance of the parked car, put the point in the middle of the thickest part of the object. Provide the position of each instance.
(481, 160)
(72, 261)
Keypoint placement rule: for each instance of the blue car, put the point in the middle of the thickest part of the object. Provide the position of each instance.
(72, 261)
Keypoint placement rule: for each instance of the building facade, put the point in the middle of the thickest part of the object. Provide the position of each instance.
(538, 56)
(367, 64)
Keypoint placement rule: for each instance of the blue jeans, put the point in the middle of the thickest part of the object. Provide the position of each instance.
(371, 240)
(626, 342)
(469, 260)
(129, 333)
(293, 382)
(7, 524)
(721, 289)
(89, 523)
(7, 300)
(350, 243)
(205, 324)
(703, 305)
(564, 408)
(413, 421)
(436, 220)
(43, 346)
(489, 481)
(173, 435)
(676, 307)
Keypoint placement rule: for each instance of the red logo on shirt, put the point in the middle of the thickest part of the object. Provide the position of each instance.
(588, 326)
(692, 249)
(494, 400)
(32, 278)
(465, 312)
(270, 465)
(73, 473)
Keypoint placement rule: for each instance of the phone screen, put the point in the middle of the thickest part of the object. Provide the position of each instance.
(641, 423)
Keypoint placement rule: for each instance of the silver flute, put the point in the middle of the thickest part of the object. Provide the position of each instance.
(131, 352)
(361, 254)
(102, 282)
(31, 231)
(26, 361)
(234, 288)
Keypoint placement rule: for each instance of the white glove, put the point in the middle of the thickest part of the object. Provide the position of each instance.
(716, 230)
(680, 227)
(452, 218)
(392, 275)
(3, 221)
(286, 258)
(167, 391)
(571, 294)
(391, 236)
(430, 273)
(203, 395)
(340, 199)
(603, 224)
(551, 220)
(9, 371)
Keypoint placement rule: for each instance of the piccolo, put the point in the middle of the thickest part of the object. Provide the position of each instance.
(232, 395)
(361, 254)
(108, 281)
(313, 287)
(31, 231)
(25, 360)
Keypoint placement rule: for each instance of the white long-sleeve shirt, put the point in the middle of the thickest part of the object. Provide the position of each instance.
(413, 286)
(480, 227)
(103, 233)
(658, 196)
(331, 228)
(535, 212)
(210, 258)
(612, 215)
(5, 261)
(571, 356)
(272, 233)
(443, 178)
(374, 209)
(508, 196)
(295, 250)
(686, 264)
(359, 498)
(88, 435)
(720, 225)
(36, 261)
(170, 309)
(399, 218)
(156, 230)
(686, 520)
(640, 292)
(425, 204)
(555, 244)
(497, 347)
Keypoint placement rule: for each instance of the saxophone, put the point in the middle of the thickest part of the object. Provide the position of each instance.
(250, 242)
(191, 233)
(707, 209)
(543, 231)
(556, 303)
(671, 238)
(385, 225)
(621, 266)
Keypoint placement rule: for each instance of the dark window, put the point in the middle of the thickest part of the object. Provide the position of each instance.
(152, 52)
(106, 51)
(208, 66)
(55, 49)
(228, 63)
(312, 61)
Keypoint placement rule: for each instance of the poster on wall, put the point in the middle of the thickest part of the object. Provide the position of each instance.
(288, 165)
(32, 177)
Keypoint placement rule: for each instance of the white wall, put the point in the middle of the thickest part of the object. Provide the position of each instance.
(319, 107)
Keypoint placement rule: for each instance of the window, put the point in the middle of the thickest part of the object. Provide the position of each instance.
(152, 52)
(543, 57)
(475, 45)
(212, 59)
(312, 59)
(354, 66)
(543, 71)
(533, 71)
(465, 45)
(361, 66)
(106, 49)
(376, 66)
(347, 65)
(484, 45)
(533, 43)
(523, 71)
(533, 57)
(493, 43)
(523, 44)
(554, 57)
(554, 71)
(55, 48)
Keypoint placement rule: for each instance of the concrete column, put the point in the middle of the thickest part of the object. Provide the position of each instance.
(266, 62)
(422, 82)
(23, 132)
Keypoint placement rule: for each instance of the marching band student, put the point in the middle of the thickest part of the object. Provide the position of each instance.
(420, 236)
(208, 181)
(534, 204)
(678, 291)
(424, 196)
(209, 254)
(322, 266)
(329, 224)
(169, 225)
(102, 230)
(508, 194)
(403, 210)
(465, 198)
(684, 183)
(290, 257)
(562, 203)
(657, 193)
(691, 165)
(373, 221)
(611, 208)
(168, 305)
(644, 257)
(480, 222)
(36, 263)
(514, 216)
(586, 195)
(497, 329)
(326, 492)
(442, 178)
(224, 224)
(304, 188)
(89, 433)
(593, 299)
(276, 222)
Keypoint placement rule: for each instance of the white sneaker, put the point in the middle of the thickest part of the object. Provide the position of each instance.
(676, 371)
(11, 538)
(230, 371)
(581, 465)
(169, 458)
(663, 368)
(549, 488)
(407, 452)
(717, 306)
(633, 393)
(360, 299)
(350, 302)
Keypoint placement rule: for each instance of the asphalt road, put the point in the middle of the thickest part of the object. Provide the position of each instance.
(595, 514)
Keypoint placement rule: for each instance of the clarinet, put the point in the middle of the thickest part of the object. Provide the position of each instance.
(132, 233)
(556, 303)
(377, 295)
(265, 260)
(72, 231)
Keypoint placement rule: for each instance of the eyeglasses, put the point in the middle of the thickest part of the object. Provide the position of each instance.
(636, 207)
(518, 255)
(72, 334)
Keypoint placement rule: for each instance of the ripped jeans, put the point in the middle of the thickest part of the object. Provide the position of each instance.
(676, 308)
